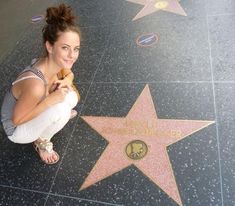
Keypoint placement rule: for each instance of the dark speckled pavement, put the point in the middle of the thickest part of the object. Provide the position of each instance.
(190, 71)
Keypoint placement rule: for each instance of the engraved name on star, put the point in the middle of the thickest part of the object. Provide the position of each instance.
(151, 6)
(140, 139)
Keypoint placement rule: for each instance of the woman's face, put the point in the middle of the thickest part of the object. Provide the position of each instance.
(65, 50)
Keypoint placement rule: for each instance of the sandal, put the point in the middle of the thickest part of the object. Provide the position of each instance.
(73, 114)
(45, 146)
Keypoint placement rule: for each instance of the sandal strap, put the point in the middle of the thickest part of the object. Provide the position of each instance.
(45, 145)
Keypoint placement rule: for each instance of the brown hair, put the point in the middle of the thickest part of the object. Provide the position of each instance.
(58, 19)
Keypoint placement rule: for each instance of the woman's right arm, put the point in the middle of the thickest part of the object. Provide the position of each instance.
(29, 104)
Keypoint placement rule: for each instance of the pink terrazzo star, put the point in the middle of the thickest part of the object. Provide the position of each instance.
(151, 6)
(141, 123)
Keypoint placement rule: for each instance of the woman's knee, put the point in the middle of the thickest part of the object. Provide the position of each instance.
(59, 111)
(71, 99)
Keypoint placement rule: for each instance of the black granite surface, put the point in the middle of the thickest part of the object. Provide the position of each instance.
(16, 196)
(190, 72)
(222, 49)
(225, 104)
(66, 200)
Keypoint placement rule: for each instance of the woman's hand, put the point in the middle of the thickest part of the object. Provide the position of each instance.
(57, 84)
(62, 83)
(58, 95)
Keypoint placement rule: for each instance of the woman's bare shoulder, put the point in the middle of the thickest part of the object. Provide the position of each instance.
(35, 86)
(30, 86)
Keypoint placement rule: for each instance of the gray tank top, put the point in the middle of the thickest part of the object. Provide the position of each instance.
(9, 100)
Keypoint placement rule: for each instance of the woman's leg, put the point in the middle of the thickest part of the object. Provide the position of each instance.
(42, 128)
(46, 124)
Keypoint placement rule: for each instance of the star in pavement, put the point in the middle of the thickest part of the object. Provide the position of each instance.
(140, 139)
(151, 6)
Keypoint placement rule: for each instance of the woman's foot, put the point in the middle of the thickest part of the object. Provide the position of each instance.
(73, 114)
(45, 150)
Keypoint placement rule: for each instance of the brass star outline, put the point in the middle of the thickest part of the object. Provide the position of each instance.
(143, 124)
(151, 6)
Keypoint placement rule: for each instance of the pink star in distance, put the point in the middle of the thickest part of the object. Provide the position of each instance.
(141, 123)
(151, 6)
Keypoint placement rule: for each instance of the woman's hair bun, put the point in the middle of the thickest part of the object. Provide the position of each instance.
(59, 19)
(60, 15)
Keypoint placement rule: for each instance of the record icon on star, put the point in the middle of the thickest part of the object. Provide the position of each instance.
(147, 40)
(36, 19)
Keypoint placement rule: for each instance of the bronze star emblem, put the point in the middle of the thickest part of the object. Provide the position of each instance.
(151, 6)
(140, 139)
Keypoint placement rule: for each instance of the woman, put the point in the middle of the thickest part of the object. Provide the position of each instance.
(39, 104)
